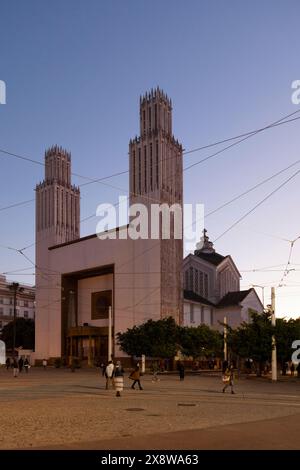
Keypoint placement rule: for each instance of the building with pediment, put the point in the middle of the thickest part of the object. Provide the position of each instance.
(212, 289)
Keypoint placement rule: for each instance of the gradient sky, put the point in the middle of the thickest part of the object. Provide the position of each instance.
(74, 71)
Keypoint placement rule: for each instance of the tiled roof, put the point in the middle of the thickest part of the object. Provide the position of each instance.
(213, 258)
(233, 298)
(189, 295)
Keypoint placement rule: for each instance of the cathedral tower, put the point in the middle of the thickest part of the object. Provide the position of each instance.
(57, 201)
(155, 162)
(57, 221)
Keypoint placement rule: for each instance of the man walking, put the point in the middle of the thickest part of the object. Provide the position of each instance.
(15, 367)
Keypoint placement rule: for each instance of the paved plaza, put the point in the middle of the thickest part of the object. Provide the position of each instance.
(58, 409)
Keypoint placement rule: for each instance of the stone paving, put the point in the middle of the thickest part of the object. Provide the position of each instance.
(56, 408)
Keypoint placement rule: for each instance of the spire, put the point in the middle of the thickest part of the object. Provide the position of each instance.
(204, 245)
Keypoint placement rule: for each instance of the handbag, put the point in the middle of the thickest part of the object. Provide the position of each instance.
(226, 379)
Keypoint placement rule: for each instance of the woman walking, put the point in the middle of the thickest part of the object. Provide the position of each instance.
(228, 379)
(119, 378)
(135, 376)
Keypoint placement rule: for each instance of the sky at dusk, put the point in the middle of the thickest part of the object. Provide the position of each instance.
(74, 71)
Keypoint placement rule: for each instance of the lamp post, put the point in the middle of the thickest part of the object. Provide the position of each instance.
(225, 339)
(15, 289)
(274, 352)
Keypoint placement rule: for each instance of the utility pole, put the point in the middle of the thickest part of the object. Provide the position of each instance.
(225, 338)
(15, 289)
(109, 334)
(274, 353)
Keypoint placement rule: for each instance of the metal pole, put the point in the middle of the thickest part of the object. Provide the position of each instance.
(274, 354)
(225, 338)
(109, 335)
(15, 317)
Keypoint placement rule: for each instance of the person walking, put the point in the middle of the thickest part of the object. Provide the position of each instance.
(228, 379)
(21, 363)
(26, 365)
(119, 378)
(292, 369)
(155, 369)
(224, 366)
(15, 367)
(109, 374)
(7, 362)
(135, 376)
(181, 370)
(103, 368)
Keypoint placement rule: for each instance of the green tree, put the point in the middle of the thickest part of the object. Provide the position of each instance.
(253, 339)
(24, 333)
(153, 338)
(200, 341)
(163, 338)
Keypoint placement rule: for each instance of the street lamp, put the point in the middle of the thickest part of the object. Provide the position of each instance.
(15, 289)
(263, 292)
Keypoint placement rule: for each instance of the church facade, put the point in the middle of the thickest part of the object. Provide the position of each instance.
(212, 289)
(78, 279)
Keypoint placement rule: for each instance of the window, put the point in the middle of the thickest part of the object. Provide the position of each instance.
(101, 301)
(26, 303)
(25, 313)
(144, 120)
(149, 118)
(140, 172)
(196, 281)
(202, 315)
(10, 301)
(145, 168)
(201, 283)
(1, 311)
(1, 324)
(192, 318)
(11, 311)
(62, 208)
(157, 175)
(1, 301)
(211, 316)
(151, 169)
(205, 285)
(133, 165)
(191, 281)
(186, 280)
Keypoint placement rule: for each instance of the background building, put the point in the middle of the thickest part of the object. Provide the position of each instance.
(25, 306)
(212, 289)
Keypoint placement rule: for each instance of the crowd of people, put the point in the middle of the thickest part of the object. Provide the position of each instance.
(17, 364)
(114, 373)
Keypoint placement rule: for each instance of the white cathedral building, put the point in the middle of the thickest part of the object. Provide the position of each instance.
(212, 289)
(78, 279)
